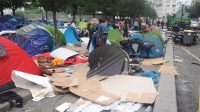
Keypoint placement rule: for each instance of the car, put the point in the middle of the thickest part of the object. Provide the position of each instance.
(195, 24)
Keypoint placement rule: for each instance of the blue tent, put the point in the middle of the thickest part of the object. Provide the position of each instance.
(6, 26)
(156, 51)
(35, 42)
(71, 36)
(139, 37)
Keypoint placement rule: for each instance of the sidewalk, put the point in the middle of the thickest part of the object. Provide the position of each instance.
(165, 102)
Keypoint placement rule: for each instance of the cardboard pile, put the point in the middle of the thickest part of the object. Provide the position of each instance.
(154, 61)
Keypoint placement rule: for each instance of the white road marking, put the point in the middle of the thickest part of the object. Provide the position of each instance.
(187, 51)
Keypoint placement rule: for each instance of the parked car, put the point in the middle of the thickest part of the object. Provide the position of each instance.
(195, 24)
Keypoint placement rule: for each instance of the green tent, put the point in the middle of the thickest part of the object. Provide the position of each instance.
(115, 36)
(61, 37)
(82, 25)
(154, 34)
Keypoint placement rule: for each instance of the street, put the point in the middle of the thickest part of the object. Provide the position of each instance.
(187, 82)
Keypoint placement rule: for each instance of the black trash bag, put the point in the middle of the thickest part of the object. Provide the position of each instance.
(11, 96)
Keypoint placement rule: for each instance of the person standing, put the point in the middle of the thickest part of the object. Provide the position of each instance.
(126, 29)
(162, 24)
(158, 23)
(102, 33)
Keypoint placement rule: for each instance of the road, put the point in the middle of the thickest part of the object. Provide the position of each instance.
(187, 82)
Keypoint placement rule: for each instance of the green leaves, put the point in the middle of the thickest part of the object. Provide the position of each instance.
(194, 10)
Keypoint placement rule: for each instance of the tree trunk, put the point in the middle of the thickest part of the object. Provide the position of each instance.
(94, 14)
(114, 19)
(46, 14)
(55, 28)
(2, 13)
(13, 11)
(74, 17)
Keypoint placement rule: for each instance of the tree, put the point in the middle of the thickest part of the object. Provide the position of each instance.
(3, 4)
(15, 4)
(54, 6)
(194, 10)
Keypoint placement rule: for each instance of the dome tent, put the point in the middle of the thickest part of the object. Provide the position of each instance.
(11, 59)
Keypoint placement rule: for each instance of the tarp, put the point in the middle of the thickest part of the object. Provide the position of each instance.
(115, 36)
(106, 60)
(17, 59)
(71, 36)
(154, 34)
(61, 37)
(82, 25)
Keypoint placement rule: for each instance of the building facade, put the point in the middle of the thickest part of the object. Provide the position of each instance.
(168, 7)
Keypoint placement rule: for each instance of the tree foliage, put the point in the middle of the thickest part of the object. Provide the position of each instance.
(195, 10)
(15, 4)
(3, 4)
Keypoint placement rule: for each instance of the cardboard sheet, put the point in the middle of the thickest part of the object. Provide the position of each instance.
(168, 70)
(63, 53)
(39, 86)
(153, 61)
(122, 85)
(91, 90)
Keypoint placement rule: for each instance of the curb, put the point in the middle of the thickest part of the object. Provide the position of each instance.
(166, 100)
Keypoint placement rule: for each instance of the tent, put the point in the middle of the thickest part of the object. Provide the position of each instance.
(25, 29)
(156, 51)
(35, 42)
(154, 34)
(61, 37)
(115, 36)
(82, 25)
(6, 26)
(139, 47)
(107, 60)
(14, 58)
(71, 36)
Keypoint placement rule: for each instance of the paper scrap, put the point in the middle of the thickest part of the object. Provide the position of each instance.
(63, 107)
(102, 98)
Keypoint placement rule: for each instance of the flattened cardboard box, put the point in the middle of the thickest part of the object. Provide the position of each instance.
(153, 61)
(168, 70)
(131, 88)
(91, 90)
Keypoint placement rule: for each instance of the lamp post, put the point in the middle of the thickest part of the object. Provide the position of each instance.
(182, 12)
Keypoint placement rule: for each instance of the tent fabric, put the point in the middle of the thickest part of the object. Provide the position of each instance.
(154, 34)
(2, 51)
(139, 37)
(61, 37)
(26, 29)
(71, 36)
(156, 51)
(115, 36)
(6, 26)
(106, 60)
(82, 25)
(17, 59)
(39, 41)
(35, 42)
